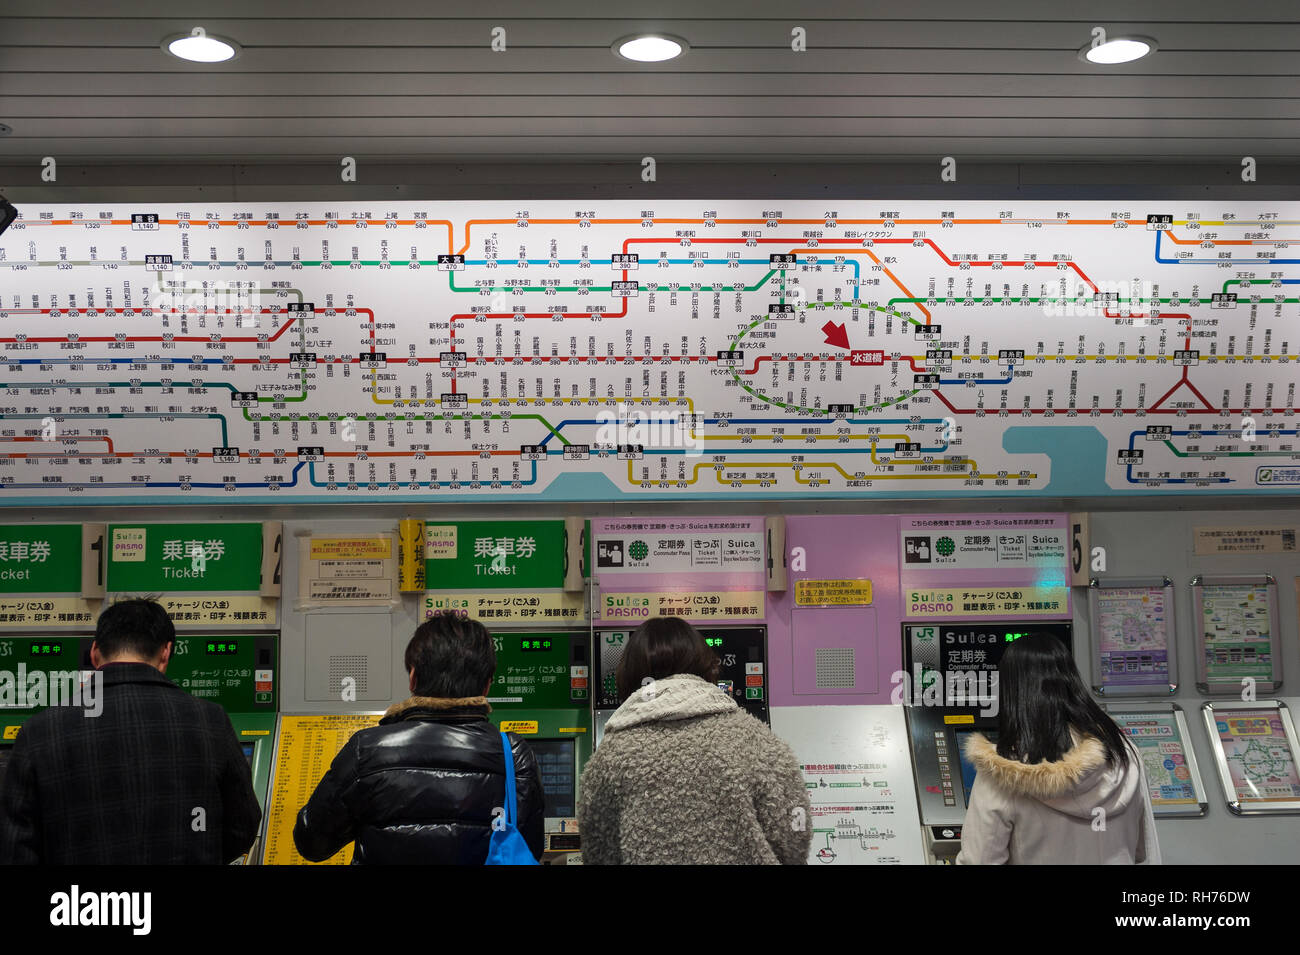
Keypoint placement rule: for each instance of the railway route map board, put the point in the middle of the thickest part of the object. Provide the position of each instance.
(305, 748)
(590, 350)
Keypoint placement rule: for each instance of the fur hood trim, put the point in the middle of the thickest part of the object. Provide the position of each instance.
(437, 703)
(1040, 780)
(678, 697)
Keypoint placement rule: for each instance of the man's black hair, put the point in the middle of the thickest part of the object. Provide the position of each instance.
(138, 626)
(453, 657)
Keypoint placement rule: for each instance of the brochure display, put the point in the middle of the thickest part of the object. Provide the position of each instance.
(1255, 747)
(1133, 636)
(1236, 621)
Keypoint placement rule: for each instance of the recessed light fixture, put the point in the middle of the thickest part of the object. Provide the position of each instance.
(198, 47)
(1124, 49)
(650, 47)
(5, 130)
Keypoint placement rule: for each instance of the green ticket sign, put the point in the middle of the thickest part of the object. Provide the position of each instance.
(494, 555)
(145, 558)
(40, 559)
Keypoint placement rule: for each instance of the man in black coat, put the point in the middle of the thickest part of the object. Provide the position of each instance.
(155, 777)
(424, 785)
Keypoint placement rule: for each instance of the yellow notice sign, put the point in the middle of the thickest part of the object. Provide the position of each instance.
(308, 744)
(832, 593)
(959, 718)
(522, 727)
(351, 548)
(217, 610)
(692, 605)
(501, 606)
(24, 613)
(11, 732)
(987, 602)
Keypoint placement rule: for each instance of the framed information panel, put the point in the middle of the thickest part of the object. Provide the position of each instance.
(1159, 733)
(1236, 622)
(1255, 747)
(305, 746)
(1133, 636)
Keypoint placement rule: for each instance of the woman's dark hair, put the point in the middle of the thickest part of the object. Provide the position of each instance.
(139, 626)
(453, 657)
(663, 647)
(1040, 697)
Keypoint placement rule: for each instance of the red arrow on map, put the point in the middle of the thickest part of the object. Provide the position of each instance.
(836, 335)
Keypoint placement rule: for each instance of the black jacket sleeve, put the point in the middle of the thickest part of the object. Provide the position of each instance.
(326, 824)
(240, 814)
(20, 819)
(529, 798)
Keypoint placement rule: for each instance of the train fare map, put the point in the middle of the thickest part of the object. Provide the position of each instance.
(588, 350)
(1258, 754)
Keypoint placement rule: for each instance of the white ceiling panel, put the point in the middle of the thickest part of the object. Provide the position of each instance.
(83, 80)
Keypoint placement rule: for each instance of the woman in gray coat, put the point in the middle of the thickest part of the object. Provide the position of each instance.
(1061, 784)
(683, 775)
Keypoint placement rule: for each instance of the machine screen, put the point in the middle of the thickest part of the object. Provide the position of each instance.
(967, 767)
(248, 752)
(557, 764)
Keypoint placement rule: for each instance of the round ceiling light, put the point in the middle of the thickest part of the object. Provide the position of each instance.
(650, 48)
(198, 47)
(1119, 50)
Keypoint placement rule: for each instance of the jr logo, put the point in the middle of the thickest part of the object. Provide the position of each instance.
(614, 639)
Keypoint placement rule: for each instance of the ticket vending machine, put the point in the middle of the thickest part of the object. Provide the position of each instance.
(238, 672)
(52, 655)
(951, 694)
(742, 653)
(541, 693)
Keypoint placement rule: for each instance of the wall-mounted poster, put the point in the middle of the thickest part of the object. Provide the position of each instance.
(336, 571)
(1133, 643)
(1255, 747)
(1236, 633)
(1159, 733)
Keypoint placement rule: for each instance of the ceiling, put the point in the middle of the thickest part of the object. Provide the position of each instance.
(85, 80)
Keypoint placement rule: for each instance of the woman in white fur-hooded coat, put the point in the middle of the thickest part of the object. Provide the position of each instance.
(1061, 785)
(683, 775)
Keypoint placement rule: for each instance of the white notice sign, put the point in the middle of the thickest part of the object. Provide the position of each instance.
(858, 770)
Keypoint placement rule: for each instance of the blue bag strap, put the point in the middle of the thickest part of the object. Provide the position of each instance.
(510, 807)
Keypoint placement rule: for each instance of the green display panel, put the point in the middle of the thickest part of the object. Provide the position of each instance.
(236, 670)
(494, 555)
(40, 559)
(534, 670)
(40, 671)
(541, 693)
(153, 558)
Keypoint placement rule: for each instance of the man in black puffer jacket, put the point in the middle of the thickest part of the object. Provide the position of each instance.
(422, 786)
